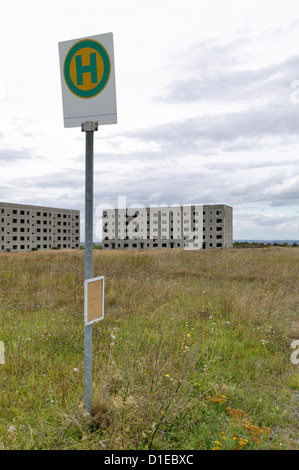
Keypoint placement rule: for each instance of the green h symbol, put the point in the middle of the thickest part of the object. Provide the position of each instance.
(91, 68)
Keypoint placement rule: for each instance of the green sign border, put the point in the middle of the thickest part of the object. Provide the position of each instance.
(107, 68)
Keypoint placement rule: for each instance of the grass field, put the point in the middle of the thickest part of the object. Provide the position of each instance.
(194, 351)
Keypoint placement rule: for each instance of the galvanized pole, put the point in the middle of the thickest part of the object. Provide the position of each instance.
(88, 127)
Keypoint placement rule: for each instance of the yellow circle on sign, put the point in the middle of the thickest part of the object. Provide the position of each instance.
(85, 59)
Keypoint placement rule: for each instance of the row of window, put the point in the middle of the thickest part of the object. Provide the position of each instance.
(39, 231)
(45, 246)
(186, 214)
(38, 214)
(105, 227)
(163, 245)
(164, 237)
(45, 230)
(164, 222)
(164, 214)
(38, 238)
(38, 222)
(155, 222)
(155, 230)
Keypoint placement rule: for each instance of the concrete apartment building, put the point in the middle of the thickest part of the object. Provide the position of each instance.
(25, 227)
(191, 227)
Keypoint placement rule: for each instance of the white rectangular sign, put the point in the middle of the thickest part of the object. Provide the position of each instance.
(88, 80)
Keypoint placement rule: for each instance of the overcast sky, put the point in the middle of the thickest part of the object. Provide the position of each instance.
(207, 103)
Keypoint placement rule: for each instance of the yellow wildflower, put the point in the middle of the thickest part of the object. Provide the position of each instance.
(242, 442)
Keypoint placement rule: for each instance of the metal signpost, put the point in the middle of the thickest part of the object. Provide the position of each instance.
(89, 100)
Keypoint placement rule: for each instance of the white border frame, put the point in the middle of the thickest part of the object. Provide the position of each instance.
(86, 282)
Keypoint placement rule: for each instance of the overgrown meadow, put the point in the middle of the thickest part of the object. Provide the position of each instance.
(194, 351)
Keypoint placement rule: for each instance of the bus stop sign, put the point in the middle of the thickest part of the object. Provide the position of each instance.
(88, 80)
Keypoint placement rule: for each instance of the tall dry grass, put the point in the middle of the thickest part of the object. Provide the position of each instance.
(193, 352)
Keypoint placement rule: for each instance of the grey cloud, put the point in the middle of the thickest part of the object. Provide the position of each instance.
(206, 182)
(274, 189)
(266, 116)
(203, 54)
(213, 72)
(270, 220)
(55, 190)
(71, 178)
(8, 156)
(251, 129)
